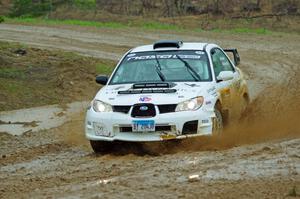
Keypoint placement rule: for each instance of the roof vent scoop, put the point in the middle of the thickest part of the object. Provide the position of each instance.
(167, 44)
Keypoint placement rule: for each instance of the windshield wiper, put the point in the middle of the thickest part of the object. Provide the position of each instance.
(190, 69)
(158, 69)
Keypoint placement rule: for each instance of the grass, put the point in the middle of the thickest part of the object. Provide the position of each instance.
(41, 21)
(46, 77)
(12, 86)
(147, 25)
(261, 31)
(104, 69)
(248, 30)
(11, 73)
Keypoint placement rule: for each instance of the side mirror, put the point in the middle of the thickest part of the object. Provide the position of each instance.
(236, 56)
(101, 79)
(225, 76)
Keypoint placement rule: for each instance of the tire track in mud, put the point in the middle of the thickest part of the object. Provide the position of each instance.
(59, 162)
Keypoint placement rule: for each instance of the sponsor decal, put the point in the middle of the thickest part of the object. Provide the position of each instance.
(192, 85)
(147, 57)
(208, 102)
(145, 99)
(205, 121)
(199, 52)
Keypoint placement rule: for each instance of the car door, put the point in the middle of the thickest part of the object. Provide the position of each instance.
(226, 88)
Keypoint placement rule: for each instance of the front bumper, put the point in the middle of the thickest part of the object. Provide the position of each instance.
(112, 123)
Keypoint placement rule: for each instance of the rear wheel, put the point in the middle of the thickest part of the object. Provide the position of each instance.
(101, 146)
(217, 123)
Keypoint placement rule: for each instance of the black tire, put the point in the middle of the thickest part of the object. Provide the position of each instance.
(101, 146)
(217, 123)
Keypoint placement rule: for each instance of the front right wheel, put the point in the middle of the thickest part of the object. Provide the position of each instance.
(217, 123)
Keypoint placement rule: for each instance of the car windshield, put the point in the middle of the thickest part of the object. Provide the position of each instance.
(170, 66)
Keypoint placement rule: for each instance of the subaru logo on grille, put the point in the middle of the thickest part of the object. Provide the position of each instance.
(143, 108)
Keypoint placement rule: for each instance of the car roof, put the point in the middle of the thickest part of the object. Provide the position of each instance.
(184, 46)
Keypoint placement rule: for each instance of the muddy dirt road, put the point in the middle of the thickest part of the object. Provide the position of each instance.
(259, 158)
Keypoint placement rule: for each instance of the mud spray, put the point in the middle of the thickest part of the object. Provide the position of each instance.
(275, 114)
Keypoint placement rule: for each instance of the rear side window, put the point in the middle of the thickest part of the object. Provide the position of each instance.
(220, 62)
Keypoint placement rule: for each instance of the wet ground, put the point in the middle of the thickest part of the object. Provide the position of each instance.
(258, 158)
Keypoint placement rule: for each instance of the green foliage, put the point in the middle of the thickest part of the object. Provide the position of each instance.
(11, 73)
(42, 7)
(117, 25)
(105, 69)
(12, 87)
(2, 19)
(30, 8)
(37, 21)
(249, 30)
(261, 31)
(85, 4)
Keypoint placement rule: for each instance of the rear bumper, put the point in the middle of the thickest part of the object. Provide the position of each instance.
(112, 121)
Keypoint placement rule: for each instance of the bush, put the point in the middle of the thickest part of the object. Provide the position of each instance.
(1, 19)
(85, 4)
(30, 8)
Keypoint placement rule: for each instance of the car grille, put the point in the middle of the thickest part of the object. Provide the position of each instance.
(167, 108)
(143, 110)
(121, 109)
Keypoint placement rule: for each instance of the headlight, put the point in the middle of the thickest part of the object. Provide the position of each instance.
(190, 105)
(99, 106)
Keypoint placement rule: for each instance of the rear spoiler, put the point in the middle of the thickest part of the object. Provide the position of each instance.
(236, 55)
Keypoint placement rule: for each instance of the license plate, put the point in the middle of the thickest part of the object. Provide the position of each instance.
(143, 125)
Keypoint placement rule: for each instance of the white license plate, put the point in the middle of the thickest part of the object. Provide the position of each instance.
(143, 125)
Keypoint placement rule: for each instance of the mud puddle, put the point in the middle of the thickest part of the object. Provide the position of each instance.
(36, 119)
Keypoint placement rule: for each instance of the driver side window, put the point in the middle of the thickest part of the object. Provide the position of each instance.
(220, 62)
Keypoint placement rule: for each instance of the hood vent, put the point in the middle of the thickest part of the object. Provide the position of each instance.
(153, 85)
(167, 44)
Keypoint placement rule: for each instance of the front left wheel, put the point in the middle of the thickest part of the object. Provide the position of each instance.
(101, 146)
(217, 123)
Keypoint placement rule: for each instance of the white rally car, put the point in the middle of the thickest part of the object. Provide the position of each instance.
(168, 90)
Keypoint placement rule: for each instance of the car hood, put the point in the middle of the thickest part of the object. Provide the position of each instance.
(184, 91)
